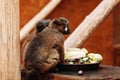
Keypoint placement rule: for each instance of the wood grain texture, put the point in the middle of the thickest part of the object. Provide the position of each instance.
(29, 8)
(90, 23)
(104, 73)
(9, 40)
(28, 27)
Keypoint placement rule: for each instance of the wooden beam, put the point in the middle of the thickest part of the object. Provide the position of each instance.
(9, 40)
(90, 23)
(41, 15)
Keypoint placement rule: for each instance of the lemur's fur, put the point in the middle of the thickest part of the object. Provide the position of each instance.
(45, 50)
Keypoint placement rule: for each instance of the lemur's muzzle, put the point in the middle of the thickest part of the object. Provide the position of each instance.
(67, 30)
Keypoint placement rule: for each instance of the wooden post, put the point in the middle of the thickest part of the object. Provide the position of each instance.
(41, 15)
(9, 40)
(90, 23)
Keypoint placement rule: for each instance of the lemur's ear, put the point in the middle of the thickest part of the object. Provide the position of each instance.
(60, 21)
(57, 21)
(40, 25)
(64, 20)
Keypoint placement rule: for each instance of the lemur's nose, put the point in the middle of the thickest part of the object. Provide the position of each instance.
(67, 30)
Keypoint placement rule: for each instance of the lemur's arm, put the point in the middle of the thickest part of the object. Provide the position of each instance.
(49, 63)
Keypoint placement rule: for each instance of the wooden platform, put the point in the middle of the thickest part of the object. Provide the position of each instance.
(104, 73)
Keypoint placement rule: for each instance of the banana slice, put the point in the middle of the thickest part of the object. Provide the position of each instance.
(72, 53)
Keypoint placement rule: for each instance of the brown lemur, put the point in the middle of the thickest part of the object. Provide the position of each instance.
(46, 49)
(40, 25)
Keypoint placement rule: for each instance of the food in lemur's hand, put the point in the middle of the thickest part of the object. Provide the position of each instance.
(46, 50)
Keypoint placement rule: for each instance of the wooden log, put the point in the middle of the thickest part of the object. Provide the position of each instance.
(9, 40)
(90, 23)
(41, 15)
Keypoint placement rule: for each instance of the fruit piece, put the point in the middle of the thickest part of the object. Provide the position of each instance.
(81, 61)
(97, 57)
(85, 59)
(72, 53)
(72, 49)
(84, 50)
(91, 61)
(70, 62)
(91, 55)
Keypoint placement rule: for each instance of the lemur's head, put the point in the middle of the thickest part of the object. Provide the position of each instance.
(40, 25)
(61, 24)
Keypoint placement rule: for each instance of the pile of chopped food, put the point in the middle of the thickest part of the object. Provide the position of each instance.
(81, 56)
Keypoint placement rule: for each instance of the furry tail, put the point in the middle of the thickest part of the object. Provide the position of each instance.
(28, 75)
(23, 74)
